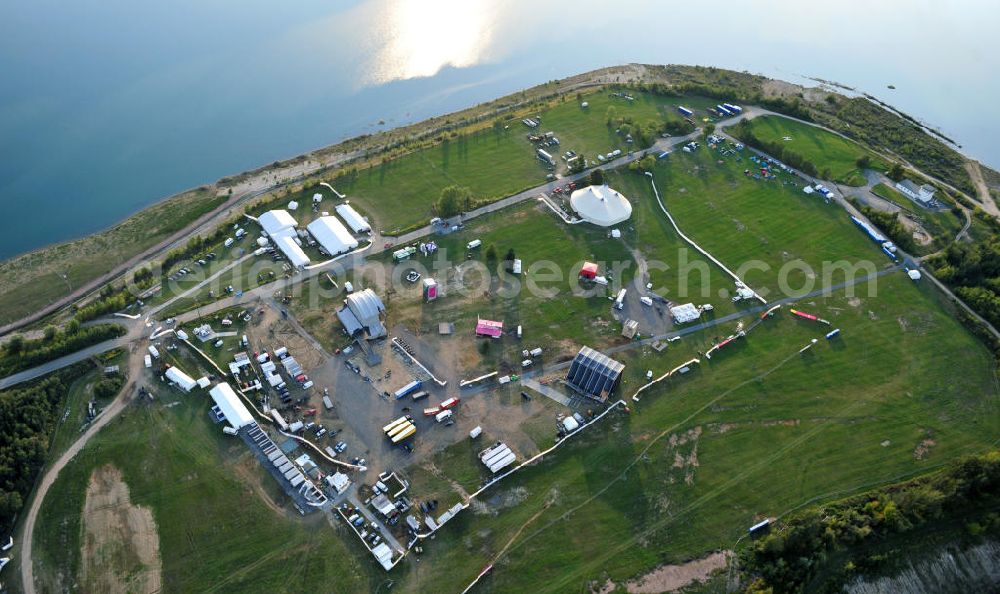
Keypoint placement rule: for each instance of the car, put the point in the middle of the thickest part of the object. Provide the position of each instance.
(340, 447)
(358, 521)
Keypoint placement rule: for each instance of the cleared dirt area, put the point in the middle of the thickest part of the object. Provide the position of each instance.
(121, 547)
(669, 578)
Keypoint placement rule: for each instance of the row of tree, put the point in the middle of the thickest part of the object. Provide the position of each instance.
(19, 353)
(744, 131)
(790, 557)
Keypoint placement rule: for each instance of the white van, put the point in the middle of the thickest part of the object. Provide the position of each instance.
(646, 301)
(474, 244)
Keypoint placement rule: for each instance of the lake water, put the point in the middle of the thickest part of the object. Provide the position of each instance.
(108, 106)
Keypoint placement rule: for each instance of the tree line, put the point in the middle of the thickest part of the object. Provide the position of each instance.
(27, 419)
(835, 540)
(744, 131)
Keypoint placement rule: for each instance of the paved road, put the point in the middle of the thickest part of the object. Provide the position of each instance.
(81, 355)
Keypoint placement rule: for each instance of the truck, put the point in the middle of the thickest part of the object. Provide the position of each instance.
(420, 395)
(148, 360)
(684, 111)
(449, 403)
(646, 301)
(545, 157)
(408, 389)
(443, 416)
(155, 353)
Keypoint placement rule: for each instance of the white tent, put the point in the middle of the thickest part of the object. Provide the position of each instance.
(292, 251)
(332, 235)
(601, 205)
(231, 406)
(277, 223)
(183, 380)
(685, 313)
(353, 219)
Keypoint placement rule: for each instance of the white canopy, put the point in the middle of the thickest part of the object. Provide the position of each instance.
(332, 235)
(183, 380)
(292, 251)
(277, 223)
(231, 406)
(353, 219)
(601, 205)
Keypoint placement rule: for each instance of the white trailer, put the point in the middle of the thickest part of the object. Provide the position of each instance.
(503, 462)
(279, 419)
(620, 299)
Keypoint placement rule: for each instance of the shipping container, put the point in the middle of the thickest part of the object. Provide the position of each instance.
(408, 388)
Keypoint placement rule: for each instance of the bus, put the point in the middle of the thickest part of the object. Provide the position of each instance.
(409, 431)
(398, 429)
(393, 424)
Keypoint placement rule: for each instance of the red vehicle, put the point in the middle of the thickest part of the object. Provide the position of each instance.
(449, 403)
(309, 413)
(572, 185)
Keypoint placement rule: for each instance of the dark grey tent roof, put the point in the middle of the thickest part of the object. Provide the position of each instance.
(362, 313)
(593, 373)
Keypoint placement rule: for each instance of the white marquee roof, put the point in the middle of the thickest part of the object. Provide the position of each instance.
(292, 251)
(231, 406)
(332, 235)
(353, 218)
(180, 378)
(277, 223)
(601, 205)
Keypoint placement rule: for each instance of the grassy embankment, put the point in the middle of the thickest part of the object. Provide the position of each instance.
(31, 281)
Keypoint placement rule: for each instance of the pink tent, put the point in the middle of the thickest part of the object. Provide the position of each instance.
(489, 328)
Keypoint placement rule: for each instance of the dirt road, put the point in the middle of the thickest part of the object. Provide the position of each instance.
(52, 472)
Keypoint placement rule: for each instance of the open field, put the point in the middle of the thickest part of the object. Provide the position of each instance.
(822, 148)
(492, 164)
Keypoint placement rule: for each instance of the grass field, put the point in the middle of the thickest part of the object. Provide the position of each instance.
(492, 164)
(824, 149)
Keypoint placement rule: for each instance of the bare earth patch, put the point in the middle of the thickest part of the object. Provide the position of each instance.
(121, 548)
(923, 449)
(673, 577)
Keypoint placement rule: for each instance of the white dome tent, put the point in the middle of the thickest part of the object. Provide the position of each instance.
(601, 205)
